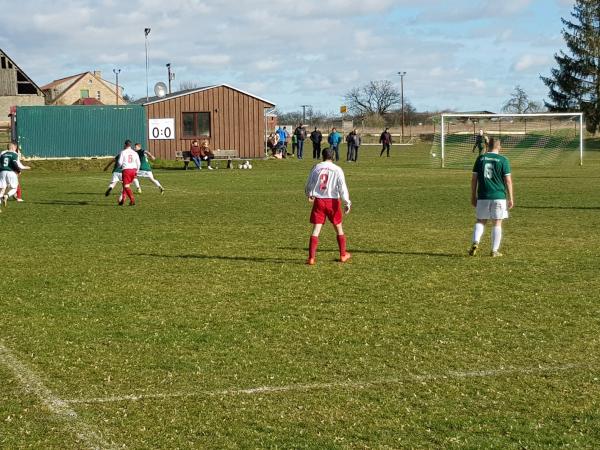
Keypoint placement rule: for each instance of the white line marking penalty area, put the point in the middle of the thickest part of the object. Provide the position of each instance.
(508, 371)
(32, 384)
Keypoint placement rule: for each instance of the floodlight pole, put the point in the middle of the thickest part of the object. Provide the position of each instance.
(146, 33)
(304, 113)
(117, 72)
(169, 75)
(402, 74)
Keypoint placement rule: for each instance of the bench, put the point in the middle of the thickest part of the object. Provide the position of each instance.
(220, 155)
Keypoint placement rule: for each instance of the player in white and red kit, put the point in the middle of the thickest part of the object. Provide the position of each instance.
(129, 162)
(326, 189)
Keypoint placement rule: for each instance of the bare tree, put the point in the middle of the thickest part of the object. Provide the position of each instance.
(520, 103)
(185, 85)
(375, 97)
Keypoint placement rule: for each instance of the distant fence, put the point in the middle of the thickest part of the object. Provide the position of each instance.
(78, 131)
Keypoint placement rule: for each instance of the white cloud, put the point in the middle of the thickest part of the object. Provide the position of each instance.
(531, 62)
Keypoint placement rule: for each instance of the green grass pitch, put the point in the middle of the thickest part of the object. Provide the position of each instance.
(191, 321)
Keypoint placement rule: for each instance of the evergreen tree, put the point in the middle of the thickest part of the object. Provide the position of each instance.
(575, 83)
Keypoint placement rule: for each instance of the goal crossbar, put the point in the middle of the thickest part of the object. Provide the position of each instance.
(579, 115)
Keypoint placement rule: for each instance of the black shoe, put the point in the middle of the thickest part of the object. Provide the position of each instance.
(108, 191)
(121, 202)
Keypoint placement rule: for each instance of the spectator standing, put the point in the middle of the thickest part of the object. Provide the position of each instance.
(386, 142)
(316, 137)
(286, 141)
(300, 134)
(353, 141)
(294, 144)
(334, 139)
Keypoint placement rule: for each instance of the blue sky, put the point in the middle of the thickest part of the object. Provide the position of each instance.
(459, 54)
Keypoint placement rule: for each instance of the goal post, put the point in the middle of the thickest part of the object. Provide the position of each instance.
(532, 138)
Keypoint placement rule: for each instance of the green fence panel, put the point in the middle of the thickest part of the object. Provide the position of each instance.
(78, 131)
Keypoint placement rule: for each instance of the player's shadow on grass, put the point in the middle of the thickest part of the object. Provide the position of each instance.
(258, 259)
(581, 208)
(71, 203)
(382, 252)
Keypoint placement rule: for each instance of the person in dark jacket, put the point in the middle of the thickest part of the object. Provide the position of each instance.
(300, 134)
(353, 141)
(316, 137)
(386, 142)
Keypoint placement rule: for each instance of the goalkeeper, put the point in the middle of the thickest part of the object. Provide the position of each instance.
(481, 143)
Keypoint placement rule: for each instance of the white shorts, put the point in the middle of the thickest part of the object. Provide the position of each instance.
(117, 177)
(145, 174)
(491, 209)
(8, 178)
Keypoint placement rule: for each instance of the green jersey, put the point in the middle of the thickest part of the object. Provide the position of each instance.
(144, 163)
(8, 162)
(116, 167)
(491, 168)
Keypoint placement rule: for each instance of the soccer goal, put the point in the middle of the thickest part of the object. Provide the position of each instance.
(527, 139)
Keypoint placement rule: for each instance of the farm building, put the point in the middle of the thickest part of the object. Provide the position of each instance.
(87, 88)
(230, 119)
(16, 88)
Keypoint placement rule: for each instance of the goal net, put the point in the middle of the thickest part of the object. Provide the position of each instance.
(527, 139)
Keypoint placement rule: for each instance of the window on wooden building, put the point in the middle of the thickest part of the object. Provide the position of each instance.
(84, 93)
(195, 124)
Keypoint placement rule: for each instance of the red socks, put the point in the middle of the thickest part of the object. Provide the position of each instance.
(312, 247)
(129, 194)
(341, 238)
(19, 191)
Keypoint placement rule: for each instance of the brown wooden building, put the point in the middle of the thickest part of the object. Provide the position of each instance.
(230, 119)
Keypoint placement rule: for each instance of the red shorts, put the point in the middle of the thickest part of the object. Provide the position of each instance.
(326, 208)
(128, 175)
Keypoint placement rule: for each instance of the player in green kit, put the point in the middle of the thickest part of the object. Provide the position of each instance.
(145, 169)
(116, 175)
(491, 195)
(10, 167)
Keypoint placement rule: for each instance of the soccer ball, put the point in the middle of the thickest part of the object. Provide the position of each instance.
(433, 155)
(242, 166)
(249, 166)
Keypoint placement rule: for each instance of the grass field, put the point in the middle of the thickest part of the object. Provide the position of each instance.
(191, 321)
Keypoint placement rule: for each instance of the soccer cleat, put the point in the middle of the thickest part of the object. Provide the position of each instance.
(139, 190)
(162, 191)
(496, 254)
(20, 200)
(121, 202)
(210, 168)
(5, 200)
(132, 204)
(473, 250)
(345, 257)
(108, 191)
(311, 261)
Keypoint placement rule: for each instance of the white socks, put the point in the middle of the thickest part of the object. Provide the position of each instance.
(156, 183)
(496, 238)
(478, 232)
(12, 192)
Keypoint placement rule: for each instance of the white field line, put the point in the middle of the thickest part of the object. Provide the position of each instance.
(32, 384)
(541, 370)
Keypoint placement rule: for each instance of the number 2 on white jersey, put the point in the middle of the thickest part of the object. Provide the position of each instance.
(323, 179)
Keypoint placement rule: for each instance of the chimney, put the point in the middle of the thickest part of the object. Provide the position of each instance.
(98, 74)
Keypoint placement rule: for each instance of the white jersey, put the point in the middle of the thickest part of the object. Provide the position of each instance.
(129, 159)
(326, 180)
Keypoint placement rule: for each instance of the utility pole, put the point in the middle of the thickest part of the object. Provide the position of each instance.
(170, 75)
(402, 74)
(304, 113)
(117, 72)
(146, 33)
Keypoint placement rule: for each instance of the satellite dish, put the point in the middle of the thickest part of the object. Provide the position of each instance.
(160, 89)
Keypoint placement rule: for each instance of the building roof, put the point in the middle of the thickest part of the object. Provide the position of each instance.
(74, 79)
(22, 72)
(156, 99)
